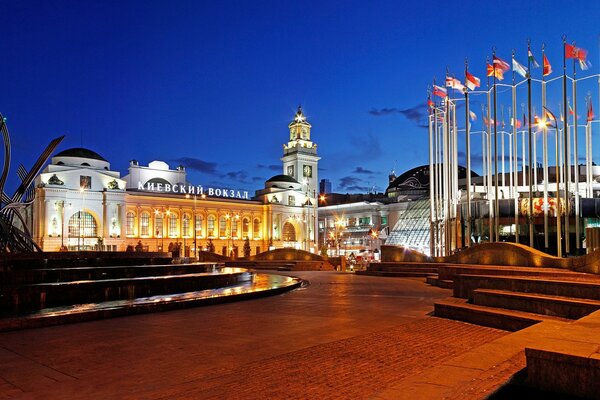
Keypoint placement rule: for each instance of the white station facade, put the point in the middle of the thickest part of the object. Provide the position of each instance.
(81, 204)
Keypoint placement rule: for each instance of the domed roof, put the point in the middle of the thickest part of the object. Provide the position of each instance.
(418, 178)
(81, 153)
(282, 178)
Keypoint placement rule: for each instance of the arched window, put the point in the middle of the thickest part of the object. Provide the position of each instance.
(82, 224)
(186, 225)
(289, 233)
(198, 225)
(130, 224)
(235, 227)
(173, 224)
(158, 225)
(223, 226)
(145, 223)
(256, 228)
(245, 227)
(210, 230)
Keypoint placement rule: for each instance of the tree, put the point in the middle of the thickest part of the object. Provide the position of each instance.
(324, 250)
(247, 248)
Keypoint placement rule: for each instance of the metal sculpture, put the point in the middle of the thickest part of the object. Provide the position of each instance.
(14, 238)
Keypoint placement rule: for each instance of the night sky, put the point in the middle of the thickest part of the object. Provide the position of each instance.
(213, 85)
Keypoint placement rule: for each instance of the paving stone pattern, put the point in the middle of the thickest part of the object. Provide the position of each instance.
(343, 337)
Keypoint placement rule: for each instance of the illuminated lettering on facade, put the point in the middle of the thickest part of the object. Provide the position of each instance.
(193, 190)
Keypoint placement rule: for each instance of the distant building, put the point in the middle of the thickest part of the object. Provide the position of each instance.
(325, 186)
(81, 204)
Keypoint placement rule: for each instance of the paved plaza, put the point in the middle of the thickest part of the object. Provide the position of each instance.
(342, 337)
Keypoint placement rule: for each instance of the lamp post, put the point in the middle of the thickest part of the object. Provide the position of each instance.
(62, 204)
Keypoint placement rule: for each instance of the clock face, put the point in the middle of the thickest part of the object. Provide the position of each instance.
(290, 170)
(307, 171)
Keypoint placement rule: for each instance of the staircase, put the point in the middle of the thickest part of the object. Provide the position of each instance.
(31, 297)
(401, 269)
(513, 298)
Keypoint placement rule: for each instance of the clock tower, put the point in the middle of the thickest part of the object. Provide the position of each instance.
(300, 160)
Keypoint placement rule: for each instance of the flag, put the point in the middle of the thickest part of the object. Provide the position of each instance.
(500, 64)
(472, 81)
(571, 112)
(430, 103)
(439, 91)
(518, 68)
(512, 122)
(488, 122)
(491, 71)
(584, 64)
(547, 67)
(532, 59)
(550, 116)
(590, 112)
(472, 115)
(454, 84)
(575, 52)
(524, 121)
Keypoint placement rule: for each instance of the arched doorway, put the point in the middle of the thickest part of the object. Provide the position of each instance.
(289, 232)
(82, 225)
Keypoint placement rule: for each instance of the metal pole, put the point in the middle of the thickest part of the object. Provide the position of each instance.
(530, 211)
(468, 150)
(545, 160)
(566, 148)
(576, 162)
(496, 197)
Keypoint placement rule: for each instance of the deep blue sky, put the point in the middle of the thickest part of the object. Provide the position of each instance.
(213, 85)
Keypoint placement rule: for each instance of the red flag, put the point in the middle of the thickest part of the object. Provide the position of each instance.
(472, 81)
(439, 91)
(575, 52)
(491, 71)
(590, 113)
(547, 66)
(501, 64)
(512, 123)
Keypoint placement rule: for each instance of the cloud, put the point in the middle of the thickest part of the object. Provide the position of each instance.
(369, 145)
(272, 167)
(353, 184)
(361, 170)
(198, 165)
(383, 111)
(417, 113)
(240, 176)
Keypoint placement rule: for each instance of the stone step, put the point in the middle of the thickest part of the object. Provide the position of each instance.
(509, 320)
(564, 307)
(52, 275)
(464, 285)
(449, 271)
(435, 280)
(399, 274)
(262, 285)
(22, 298)
(405, 269)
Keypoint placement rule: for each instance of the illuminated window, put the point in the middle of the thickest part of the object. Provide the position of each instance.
(186, 225)
(82, 224)
(384, 220)
(210, 230)
(130, 225)
(235, 224)
(158, 225)
(198, 225)
(245, 227)
(145, 223)
(223, 226)
(256, 228)
(173, 225)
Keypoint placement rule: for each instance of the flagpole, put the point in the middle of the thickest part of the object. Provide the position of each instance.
(489, 167)
(502, 134)
(588, 155)
(566, 148)
(576, 162)
(437, 173)
(557, 195)
(545, 159)
(496, 207)
(468, 150)
(431, 183)
(530, 211)
(514, 161)
(455, 169)
(446, 191)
